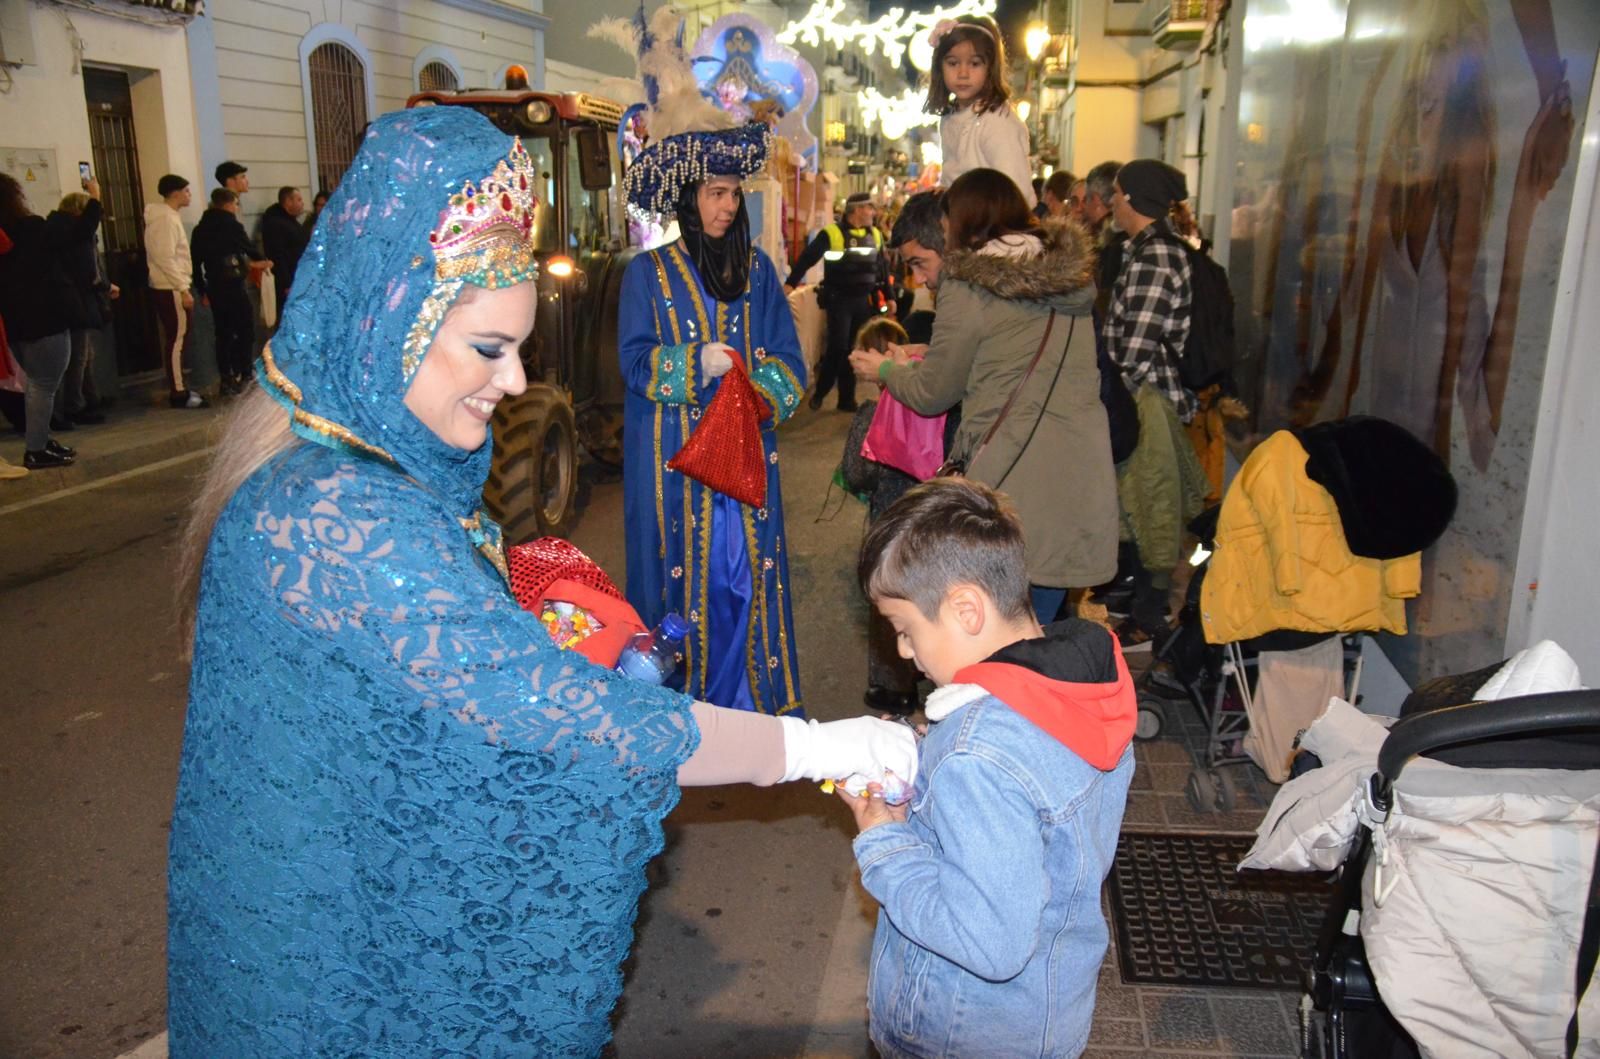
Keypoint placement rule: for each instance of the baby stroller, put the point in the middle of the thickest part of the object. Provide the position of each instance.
(1317, 541)
(1466, 916)
(1219, 681)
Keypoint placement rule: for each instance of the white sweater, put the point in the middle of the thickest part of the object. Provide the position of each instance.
(166, 248)
(995, 139)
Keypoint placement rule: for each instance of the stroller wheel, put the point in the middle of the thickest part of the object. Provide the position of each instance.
(1201, 790)
(1152, 718)
(1227, 790)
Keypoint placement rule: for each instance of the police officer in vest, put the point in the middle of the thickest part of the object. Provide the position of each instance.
(854, 277)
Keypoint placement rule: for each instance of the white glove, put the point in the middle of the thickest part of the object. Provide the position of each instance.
(859, 750)
(716, 360)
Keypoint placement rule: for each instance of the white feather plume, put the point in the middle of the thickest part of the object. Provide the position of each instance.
(679, 106)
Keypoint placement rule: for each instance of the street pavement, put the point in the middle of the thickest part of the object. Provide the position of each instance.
(753, 937)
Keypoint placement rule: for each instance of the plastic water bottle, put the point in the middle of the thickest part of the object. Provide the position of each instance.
(652, 656)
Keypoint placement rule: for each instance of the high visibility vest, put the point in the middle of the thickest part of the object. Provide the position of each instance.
(851, 261)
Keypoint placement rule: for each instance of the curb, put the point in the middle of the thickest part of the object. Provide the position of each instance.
(127, 444)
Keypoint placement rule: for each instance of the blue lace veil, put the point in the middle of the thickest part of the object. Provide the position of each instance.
(366, 301)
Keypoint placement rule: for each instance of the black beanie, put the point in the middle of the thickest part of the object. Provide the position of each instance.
(1152, 186)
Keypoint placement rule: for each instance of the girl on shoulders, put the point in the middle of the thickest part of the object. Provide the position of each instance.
(967, 89)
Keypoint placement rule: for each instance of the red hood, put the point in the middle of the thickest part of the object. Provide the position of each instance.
(1093, 720)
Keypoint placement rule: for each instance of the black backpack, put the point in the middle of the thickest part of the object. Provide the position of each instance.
(1207, 355)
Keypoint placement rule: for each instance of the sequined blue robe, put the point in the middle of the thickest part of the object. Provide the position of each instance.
(722, 564)
(406, 825)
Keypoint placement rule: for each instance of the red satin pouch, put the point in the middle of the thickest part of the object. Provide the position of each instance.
(724, 452)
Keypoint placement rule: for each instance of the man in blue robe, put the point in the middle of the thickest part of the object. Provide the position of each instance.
(688, 310)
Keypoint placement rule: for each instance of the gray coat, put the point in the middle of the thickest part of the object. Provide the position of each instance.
(1053, 462)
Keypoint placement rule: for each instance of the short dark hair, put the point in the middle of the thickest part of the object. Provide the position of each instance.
(919, 220)
(1060, 184)
(286, 193)
(942, 533)
(221, 197)
(878, 332)
(984, 35)
(1101, 181)
(170, 184)
(984, 204)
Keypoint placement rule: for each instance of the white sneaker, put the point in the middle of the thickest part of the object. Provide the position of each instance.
(196, 401)
(11, 470)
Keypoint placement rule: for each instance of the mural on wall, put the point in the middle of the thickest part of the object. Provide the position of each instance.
(1402, 201)
(754, 77)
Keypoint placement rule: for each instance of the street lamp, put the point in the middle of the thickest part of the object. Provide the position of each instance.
(1034, 41)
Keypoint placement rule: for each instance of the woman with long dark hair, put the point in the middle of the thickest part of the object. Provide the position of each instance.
(689, 310)
(40, 309)
(1014, 344)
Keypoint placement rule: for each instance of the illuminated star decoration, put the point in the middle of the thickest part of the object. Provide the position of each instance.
(892, 32)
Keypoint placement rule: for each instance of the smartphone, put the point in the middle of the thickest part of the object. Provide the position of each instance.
(84, 174)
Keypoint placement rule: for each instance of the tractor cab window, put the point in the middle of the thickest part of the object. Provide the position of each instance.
(546, 230)
(594, 218)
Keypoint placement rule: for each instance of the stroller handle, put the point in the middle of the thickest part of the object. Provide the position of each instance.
(1475, 721)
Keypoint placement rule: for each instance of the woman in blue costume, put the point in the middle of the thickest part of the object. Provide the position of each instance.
(688, 309)
(406, 823)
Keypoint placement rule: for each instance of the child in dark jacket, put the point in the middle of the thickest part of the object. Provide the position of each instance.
(990, 935)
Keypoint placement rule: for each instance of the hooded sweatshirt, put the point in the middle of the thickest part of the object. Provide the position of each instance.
(1072, 683)
(166, 248)
(991, 936)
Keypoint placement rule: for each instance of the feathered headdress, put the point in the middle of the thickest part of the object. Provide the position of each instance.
(690, 137)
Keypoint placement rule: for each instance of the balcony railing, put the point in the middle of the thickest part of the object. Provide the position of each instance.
(1179, 24)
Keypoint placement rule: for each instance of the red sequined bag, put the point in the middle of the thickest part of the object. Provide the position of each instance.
(725, 451)
(552, 575)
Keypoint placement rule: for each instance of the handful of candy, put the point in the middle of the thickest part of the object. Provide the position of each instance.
(895, 790)
(567, 623)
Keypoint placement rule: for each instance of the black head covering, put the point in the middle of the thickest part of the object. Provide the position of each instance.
(723, 264)
(1152, 186)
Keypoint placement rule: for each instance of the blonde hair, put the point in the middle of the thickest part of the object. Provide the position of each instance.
(252, 434)
(74, 202)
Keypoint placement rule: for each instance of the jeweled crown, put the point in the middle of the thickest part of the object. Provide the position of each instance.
(485, 233)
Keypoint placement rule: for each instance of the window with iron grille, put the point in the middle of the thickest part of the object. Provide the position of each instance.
(339, 108)
(437, 77)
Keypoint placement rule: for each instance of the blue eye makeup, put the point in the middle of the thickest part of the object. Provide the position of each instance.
(490, 352)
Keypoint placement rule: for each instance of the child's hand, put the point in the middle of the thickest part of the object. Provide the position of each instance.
(870, 809)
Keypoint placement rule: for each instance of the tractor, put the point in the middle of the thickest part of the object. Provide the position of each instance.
(575, 393)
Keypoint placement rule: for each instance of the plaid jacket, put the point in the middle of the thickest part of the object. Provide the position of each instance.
(1148, 322)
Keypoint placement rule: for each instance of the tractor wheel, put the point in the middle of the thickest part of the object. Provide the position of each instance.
(533, 482)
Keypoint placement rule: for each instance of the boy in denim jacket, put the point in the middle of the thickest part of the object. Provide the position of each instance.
(990, 934)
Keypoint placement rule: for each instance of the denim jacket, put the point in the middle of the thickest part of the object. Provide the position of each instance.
(990, 935)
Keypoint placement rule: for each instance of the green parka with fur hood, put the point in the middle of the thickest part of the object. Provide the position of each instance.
(1052, 453)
